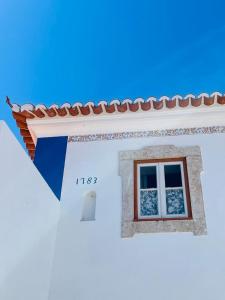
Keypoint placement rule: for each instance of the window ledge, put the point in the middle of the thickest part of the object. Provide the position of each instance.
(130, 228)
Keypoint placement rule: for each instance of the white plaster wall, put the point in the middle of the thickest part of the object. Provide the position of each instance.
(93, 262)
(29, 214)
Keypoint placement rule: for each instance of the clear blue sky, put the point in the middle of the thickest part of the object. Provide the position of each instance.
(52, 51)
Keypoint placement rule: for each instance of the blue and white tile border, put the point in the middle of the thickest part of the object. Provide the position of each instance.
(142, 134)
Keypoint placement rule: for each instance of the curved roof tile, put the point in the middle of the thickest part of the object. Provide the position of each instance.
(30, 111)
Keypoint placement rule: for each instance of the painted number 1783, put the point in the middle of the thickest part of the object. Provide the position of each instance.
(86, 180)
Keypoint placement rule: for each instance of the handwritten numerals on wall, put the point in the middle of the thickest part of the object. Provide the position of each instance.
(86, 180)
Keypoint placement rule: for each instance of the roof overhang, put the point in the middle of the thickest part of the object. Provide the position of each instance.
(188, 112)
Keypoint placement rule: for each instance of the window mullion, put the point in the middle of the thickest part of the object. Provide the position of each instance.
(162, 190)
(158, 190)
(184, 189)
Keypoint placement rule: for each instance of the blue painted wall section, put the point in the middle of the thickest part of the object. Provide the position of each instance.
(50, 160)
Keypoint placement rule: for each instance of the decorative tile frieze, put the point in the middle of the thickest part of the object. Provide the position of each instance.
(143, 134)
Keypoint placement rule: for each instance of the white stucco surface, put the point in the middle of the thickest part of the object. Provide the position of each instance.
(93, 262)
(48, 253)
(29, 214)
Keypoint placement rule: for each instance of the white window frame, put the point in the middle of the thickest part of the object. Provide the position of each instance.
(161, 191)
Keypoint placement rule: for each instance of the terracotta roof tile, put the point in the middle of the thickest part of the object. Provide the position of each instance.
(97, 109)
(29, 111)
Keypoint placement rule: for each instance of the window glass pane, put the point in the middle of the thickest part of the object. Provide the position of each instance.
(148, 177)
(149, 203)
(175, 202)
(172, 175)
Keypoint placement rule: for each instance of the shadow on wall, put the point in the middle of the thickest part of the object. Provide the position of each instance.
(30, 278)
(89, 206)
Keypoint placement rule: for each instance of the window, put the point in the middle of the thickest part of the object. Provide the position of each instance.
(161, 190)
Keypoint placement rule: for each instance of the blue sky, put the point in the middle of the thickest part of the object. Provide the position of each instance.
(54, 51)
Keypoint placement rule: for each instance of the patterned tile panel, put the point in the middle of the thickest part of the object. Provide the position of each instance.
(175, 202)
(149, 203)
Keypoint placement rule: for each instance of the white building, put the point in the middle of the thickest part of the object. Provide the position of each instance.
(142, 205)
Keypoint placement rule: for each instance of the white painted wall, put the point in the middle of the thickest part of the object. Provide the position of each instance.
(93, 262)
(29, 215)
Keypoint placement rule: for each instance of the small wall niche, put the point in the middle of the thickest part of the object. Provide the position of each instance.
(89, 206)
